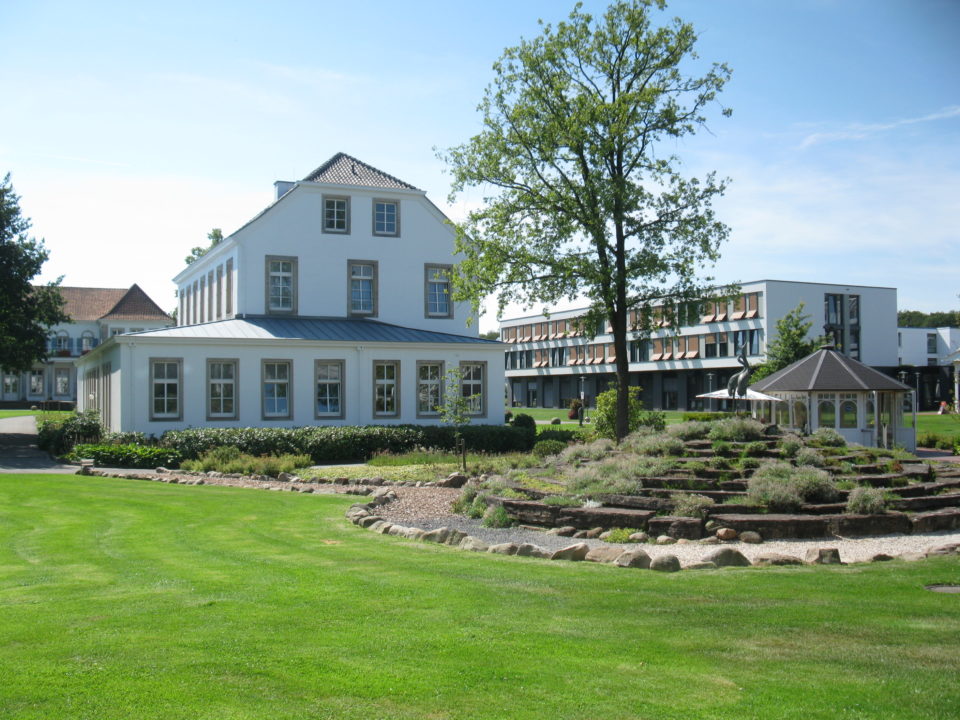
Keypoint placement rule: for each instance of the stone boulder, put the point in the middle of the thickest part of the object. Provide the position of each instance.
(633, 559)
(603, 554)
(749, 536)
(727, 557)
(530, 550)
(507, 548)
(572, 552)
(563, 531)
(881, 557)
(369, 520)
(440, 535)
(639, 537)
(726, 534)
(453, 480)
(701, 565)
(666, 540)
(473, 544)
(455, 537)
(823, 556)
(665, 563)
(950, 549)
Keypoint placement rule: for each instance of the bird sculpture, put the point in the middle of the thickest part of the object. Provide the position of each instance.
(737, 387)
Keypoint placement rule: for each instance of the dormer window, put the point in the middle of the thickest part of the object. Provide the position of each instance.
(336, 214)
(386, 217)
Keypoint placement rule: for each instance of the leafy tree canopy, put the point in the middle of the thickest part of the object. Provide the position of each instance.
(215, 237)
(790, 343)
(578, 128)
(915, 318)
(26, 311)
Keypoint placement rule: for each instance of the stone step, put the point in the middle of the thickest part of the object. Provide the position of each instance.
(929, 502)
(778, 526)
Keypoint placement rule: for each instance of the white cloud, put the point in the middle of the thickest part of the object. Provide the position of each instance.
(861, 131)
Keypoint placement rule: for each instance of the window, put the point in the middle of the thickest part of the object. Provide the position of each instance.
(329, 377)
(471, 386)
(63, 342)
(438, 291)
(281, 284)
(87, 341)
(826, 410)
(639, 351)
(222, 389)
(848, 410)
(165, 389)
(429, 387)
(558, 356)
(116, 331)
(11, 384)
(931, 343)
(755, 338)
(219, 291)
(275, 381)
(386, 217)
(336, 214)
(386, 381)
(229, 286)
(363, 287)
(36, 382)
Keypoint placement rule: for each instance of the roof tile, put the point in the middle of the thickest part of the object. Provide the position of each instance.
(342, 169)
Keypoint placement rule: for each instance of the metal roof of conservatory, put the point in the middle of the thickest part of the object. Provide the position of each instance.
(827, 370)
(261, 327)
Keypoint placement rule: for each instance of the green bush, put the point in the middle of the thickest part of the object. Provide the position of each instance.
(621, 535)
(331, 444)
(866, 501)
(655, 445)
(754, 449)
(721, 447)
(462, 504)
(58, 435)
(127, 456)
(694, 430)
(496, 517)
(125, 438)
(573, 413)
(814, 485)
(736, 429)
(596, 450)
(790, 445)
(605, 415)
(826, 437)
(564, 435)
(522, 420)
(545, 448)
(556, 421)
(705, 416)
(783, 488)
(935, 440)
(809, 456)
(561, 501)
(229, 459)
(689, 505)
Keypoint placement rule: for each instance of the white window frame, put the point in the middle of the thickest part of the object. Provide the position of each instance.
(386, 388)
(35, 374)
(176, 400)
(380, 217)
(215, 378)
(470, 386)
(274, 269)
(430, 279)
(275, 383)
(332, 202)
(326, 382)
(429, 389)
(374, 291)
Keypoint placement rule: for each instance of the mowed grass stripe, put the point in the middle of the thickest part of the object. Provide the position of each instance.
(123, 599)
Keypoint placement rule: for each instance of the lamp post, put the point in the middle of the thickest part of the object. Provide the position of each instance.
(711, 376)
(916, 377)
(582, 410)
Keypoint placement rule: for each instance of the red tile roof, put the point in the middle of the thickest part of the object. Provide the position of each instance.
(84, 304)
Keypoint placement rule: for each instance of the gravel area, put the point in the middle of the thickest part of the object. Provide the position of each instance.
(429, 509)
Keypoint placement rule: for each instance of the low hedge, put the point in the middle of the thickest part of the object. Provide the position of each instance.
(705, 416)
(329, 444)
(127, 456)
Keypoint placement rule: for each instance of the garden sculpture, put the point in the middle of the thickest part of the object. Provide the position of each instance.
(737, 387)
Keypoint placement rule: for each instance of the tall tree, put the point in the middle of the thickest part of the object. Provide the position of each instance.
(26, 311)
(589, 201)
(791, 343)
(215, 237)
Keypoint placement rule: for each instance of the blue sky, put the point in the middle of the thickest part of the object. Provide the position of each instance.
(132, 129)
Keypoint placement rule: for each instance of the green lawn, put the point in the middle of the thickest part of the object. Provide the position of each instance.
(947, 425)
(128, 599)
(46, 413)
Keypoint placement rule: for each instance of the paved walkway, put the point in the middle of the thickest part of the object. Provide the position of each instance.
(19, 452)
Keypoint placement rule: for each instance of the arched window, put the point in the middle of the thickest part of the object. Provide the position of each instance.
(848, 410)
(62, 341)
(826, 410)
(87, 341)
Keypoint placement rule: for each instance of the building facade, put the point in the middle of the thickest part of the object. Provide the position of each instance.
(331, 306)
(96, 314)
(550, 360)
(926, 363)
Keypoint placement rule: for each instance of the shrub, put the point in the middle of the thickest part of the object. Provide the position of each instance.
(544, 448)
(478, 507)
(749, 463)
(826, 437)
(124, 438)
(58, 435)
(866, 501)
(127, 456)
(525, 421)
(721, 447)
(566, 436)
(496, 517)
(689, 430)
(774, 494)
(462, 504)
(705, 416)
(790, 445)
(605, 416)
(655, 445)
(810, 457)
(229, 459)
(621, 535)
(593, 451)
(754, 449)
(736, 429)
(574, 412)
(814, 485)
(688, 505)
(555, 421)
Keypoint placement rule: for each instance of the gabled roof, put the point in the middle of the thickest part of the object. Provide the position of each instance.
(84, 304)
(136, 305)
(261, 327)
(827, 370)
(342, 169)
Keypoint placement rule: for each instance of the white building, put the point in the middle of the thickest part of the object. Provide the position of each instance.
(548, 362)
(926, 363)
(95, 315)
(331, 306)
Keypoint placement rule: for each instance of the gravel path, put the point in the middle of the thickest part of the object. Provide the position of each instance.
(430, 508)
